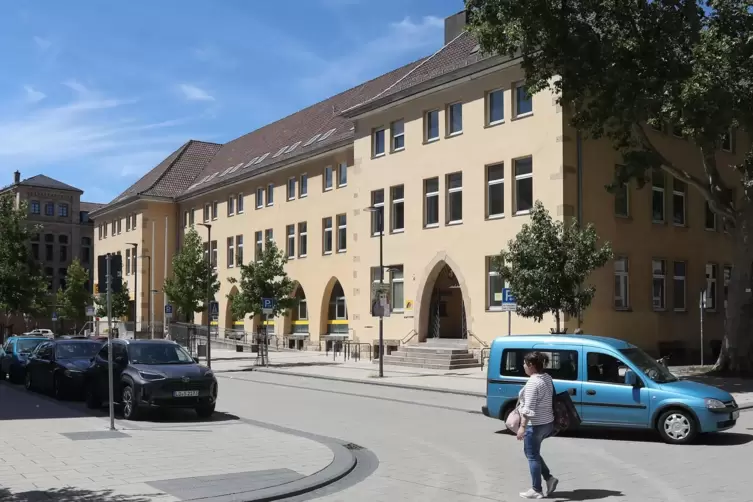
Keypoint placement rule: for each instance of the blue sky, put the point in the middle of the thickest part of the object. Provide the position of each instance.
(96, 93)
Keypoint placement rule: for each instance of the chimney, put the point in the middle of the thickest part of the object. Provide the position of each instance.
(454, 25)
(17, 177)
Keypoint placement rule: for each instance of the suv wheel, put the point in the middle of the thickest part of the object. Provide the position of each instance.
(130, 407)
(677, 426)
(28, 382)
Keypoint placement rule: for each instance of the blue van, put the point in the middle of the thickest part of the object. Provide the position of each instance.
(14, 355)
(612, 384)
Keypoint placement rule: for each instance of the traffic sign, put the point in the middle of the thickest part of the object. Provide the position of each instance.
(214, 308)
(90, 311)
(54, 316)
(268, 305)
(508, 300)
(168, 311)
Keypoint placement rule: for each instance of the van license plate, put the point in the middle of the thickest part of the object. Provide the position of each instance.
(735, 415)
(186, 393)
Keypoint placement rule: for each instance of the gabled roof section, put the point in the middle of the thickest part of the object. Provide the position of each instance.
(90, 207)
(313, 129)
(42, 181)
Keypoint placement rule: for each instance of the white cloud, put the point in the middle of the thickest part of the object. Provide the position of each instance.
(33, 95)
(42, 43)
(194, 93)
(77, 87)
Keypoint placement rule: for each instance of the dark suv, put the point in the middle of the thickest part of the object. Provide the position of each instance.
(149, 374)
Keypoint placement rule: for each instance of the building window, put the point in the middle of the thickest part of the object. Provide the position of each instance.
(657, 197)
(128, 223)
(185, 221)
(303, 313)
(128, 261)
(62, 273)
(659, 284)
(621, 284)
(63, 210)
(397, 129)
(455, 118)
(523, 185)
(728, 142)
(678, 202)
(239, 203)
(35, 250)
(711, 276)
(431, 125)
(49, 252)
(290, 241)
(269, 236)
(523, 101)
(303, 243)
(327, 235)
(431, 202)
(49, 209)
(239, 250)
(710, 217)
(342, 233)
(231, 205)
(207, 212)
(114, 226)
(397, 287)
(259, 198)
(35, 207)
(455, 198)
(230, 252)
(63, 252)
(270, 194)
(258, 236)
(494, 285)
(679, 281)
(303, 186)
(726, 278)
(397, 197)
(622, 201)
(495, 191)
(342, 175)
(377, 140)
(328, 178)
(133, 221)
(190, 217)
(291, 189)
(215, 209)
(120, 226)
(377, 216)
(495, 107)
(214, 254)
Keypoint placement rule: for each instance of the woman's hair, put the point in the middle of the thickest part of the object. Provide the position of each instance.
(537, 360)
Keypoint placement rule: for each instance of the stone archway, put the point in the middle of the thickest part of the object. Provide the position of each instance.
(443, 302)
(334, 310)
(295, 327)
(234, 328)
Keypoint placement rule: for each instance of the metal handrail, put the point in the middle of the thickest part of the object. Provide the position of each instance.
(479, 340)
(356, 354)
(483, 357)
(411, 334)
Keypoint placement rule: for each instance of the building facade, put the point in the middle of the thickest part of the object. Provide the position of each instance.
(444, 158)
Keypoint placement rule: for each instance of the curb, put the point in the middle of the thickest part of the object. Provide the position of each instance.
(376, 383)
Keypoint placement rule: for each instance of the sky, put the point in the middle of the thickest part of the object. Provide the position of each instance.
(95, 93)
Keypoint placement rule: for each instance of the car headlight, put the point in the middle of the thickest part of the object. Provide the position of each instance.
(714, 404)
(151, 376)
(70, 373)
(209, 374)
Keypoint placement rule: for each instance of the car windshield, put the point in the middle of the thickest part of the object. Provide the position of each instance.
(158, 353)
(76, 350)
(648, 365)
(27, 345)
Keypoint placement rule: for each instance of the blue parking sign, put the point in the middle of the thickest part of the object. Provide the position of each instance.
(507, 296)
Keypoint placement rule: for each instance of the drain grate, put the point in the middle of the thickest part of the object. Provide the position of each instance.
(353, 446)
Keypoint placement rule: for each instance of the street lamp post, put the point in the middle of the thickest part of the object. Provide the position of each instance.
(135, 251)
(150, 313)
(379, 211)
(209, 289)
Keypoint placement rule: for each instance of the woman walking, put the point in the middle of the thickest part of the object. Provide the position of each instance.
(536, 423)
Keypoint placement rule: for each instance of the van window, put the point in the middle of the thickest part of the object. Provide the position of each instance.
(605, 368)
(563, 364)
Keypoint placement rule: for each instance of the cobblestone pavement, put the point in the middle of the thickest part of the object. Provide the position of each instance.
(436, 447)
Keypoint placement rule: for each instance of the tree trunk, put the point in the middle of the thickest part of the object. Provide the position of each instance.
(557, 322)
(736, 356)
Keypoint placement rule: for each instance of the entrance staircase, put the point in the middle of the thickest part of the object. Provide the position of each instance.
(436, 354)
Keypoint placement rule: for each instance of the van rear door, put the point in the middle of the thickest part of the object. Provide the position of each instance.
(565, 369)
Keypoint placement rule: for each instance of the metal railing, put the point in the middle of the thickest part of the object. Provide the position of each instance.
(411, 334)
(484, 356)
(479, 340)
(353, 350)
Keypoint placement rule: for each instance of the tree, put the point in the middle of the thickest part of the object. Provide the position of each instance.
(619, 67)
(120, 303)
(187, 288)
(23, 288)
(263, 279)
(547, 264)
(74, 298)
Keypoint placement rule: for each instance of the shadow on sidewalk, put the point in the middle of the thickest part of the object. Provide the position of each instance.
(585, 494)
(73, 495)
(730, 384)
(18, 404)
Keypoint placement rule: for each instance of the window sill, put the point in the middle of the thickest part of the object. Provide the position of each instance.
(398, 231)
(291, 257)
(658, 310)
(342, 251)
(710, 229)
(626, 217)
(522, 213)
(328, 189)
(377, 156)
(240, 212)
(680, 311)
(453, 223)
(270, 205)
(291, 198)
(303, 196)
(377, 234)
(432, 225)
(398, 311)
(495, 216)
(453, 134)
(523, 115)
(342, 186)
(397, 150)
(679, 225)
(327, 253)
(623, 309)
(302, 255)
(431, 140)
(259, 207)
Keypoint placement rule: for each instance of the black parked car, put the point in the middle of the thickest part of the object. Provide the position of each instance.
(151, 374)
(58, 366)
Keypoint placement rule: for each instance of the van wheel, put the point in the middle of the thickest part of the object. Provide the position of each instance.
(677, 426)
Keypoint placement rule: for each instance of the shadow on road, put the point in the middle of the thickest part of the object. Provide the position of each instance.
(185, 416)
(73, 495)
(646, 436)
(585, 494)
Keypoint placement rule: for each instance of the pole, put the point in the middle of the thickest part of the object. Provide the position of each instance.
(702, 305)
(509, 322)
(166, 321)
(151, 285)
(209, 289)
(266, 340)
(135, 260)
(109, 345)
(381, 284)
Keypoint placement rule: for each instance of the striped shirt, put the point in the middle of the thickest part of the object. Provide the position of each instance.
(536, 400)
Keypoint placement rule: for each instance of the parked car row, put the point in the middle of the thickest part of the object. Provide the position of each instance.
(146, 373)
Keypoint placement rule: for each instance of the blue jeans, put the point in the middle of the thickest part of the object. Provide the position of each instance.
(534, 436)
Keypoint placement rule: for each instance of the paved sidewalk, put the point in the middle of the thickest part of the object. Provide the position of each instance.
(57, 451)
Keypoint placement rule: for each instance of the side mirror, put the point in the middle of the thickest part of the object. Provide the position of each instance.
(631, 378)
(196, 360)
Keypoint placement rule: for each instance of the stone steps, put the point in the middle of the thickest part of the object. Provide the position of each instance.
(448, 355)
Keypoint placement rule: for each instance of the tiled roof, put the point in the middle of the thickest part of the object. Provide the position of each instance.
(42, 181)
(292, 136)
(91, 206)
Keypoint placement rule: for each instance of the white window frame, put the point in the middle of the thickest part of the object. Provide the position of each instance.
(207, 212)
(290, 241)
(680, 193)
(490, 184)
(231, 205)
(342, 168)
(213, 249)
(269, 235)
(449, 113)
(449, 197)
(185, 221)
(259, 245)
(291, 185)
(712, 276)
(394, 136)
(395, 202)
(215, 210)
(327, 229)
(489, 121)
(342, 226)
(340, 300)
(490, 273)
(270, 194)
(516, 104)
(303, 186)
(259, 197)
(397, 280)
(680, 278)
(428, 139)
(518, 179)
(726, 279)
(379, 206)
(427, 196)
(230, 252)
(239, 203)
(624, 276)
(662, 191)
(374, 134)
(328, 174)
(239, 250)
(303, 237)
(659, 273)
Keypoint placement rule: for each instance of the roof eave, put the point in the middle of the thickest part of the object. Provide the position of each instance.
(126, 202)
(32, 185)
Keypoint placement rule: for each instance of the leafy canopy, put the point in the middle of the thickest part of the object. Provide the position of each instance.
(73, 300)
(547, 264)
(119, 303)
(187, 288)
(265, 278)
(618, 65)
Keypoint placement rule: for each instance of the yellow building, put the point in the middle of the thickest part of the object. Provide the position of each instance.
(453, 152)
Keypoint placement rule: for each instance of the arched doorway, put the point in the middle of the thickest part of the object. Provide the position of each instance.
(334, 313)
(297, 329)
(234, 326)
(442, 305)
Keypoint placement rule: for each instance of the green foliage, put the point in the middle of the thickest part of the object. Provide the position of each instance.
(547, 264)
(187, 288)
(73, 300)
(23, 288)
(263, 279)
(119, 303)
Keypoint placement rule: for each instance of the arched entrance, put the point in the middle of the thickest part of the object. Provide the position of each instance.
(334, 313)
(297, 320)
(442, 305)
(234, 327)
